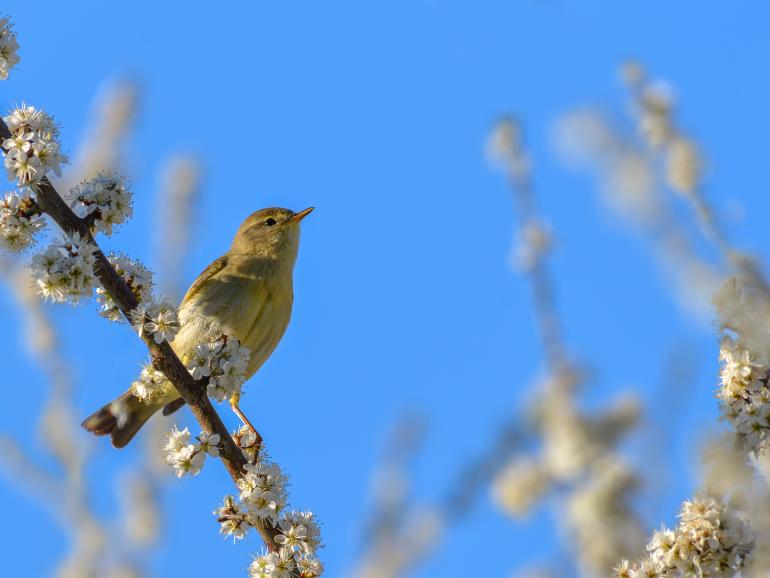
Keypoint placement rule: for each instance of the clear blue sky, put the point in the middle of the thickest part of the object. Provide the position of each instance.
(377, 113)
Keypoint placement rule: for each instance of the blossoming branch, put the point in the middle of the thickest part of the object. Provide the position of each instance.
(74, 267)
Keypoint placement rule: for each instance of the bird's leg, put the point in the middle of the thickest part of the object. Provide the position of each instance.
(234, 401)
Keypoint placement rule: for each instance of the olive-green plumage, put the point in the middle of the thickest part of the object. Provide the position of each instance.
(247, 293)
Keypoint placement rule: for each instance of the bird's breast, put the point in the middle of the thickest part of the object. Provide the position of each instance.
(254, 309)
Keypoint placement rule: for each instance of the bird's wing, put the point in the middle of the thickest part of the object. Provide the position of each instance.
(207, 274)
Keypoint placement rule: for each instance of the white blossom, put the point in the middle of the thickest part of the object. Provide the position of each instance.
(299, 531)
(273, 565)
(177, 439)
(309, 566)
(263, 490)
(262, 499)
(261, 567)
(20, 220)
(710, 540)
(233, 520)
(8, 48)
(744, 397)
(186, 457)
(65, 270)
(209, 443)
(624, 569)
(137, 277)
(228, 370)
(103, 198)
(34, 147)
(156, 318)
(200, 361)
(150, 385)
(246, 439)
(224, 362)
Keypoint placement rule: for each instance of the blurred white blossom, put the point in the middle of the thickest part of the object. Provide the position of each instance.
(519, 485)
(533, 243)
(655, 102)
(9, 48)
(683, 166)
(505, 148)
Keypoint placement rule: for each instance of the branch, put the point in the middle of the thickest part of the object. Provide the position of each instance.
(163, 357)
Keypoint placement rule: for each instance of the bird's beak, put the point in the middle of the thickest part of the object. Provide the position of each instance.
(301, 215)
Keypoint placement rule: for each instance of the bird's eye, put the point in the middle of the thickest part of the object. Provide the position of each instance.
(270, 222)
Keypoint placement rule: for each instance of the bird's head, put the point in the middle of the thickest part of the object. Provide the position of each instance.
(272, 232)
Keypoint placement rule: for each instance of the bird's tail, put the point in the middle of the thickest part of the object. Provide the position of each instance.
(121, 418)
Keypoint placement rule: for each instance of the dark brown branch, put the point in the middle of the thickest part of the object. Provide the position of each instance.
(163, 357)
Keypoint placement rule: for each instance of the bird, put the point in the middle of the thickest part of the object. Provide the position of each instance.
(247, 293)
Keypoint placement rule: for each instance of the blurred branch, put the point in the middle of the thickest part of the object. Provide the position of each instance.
(398, 534)
(578, 460)
(654, 109)
(112, 119)
(66, 496)
(176, 200)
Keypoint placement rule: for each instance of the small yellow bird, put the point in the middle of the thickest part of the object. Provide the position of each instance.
(247, 293)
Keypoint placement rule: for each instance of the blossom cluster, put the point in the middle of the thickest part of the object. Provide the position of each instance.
(186, 457)
(9, 48)
(710, 540)
(282, 563)
(744, 398)
(104, 200)
(156, 318)
(150, 384)
(654, 102)
(224, 361)
(743, 394)
(577, 458)
(65, 271)
(599, 516)
(20, 219)
(262, 501)
(263, 490)
(137, 277)
(33, 148)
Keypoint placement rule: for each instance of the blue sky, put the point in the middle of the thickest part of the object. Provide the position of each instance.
(376, 113)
